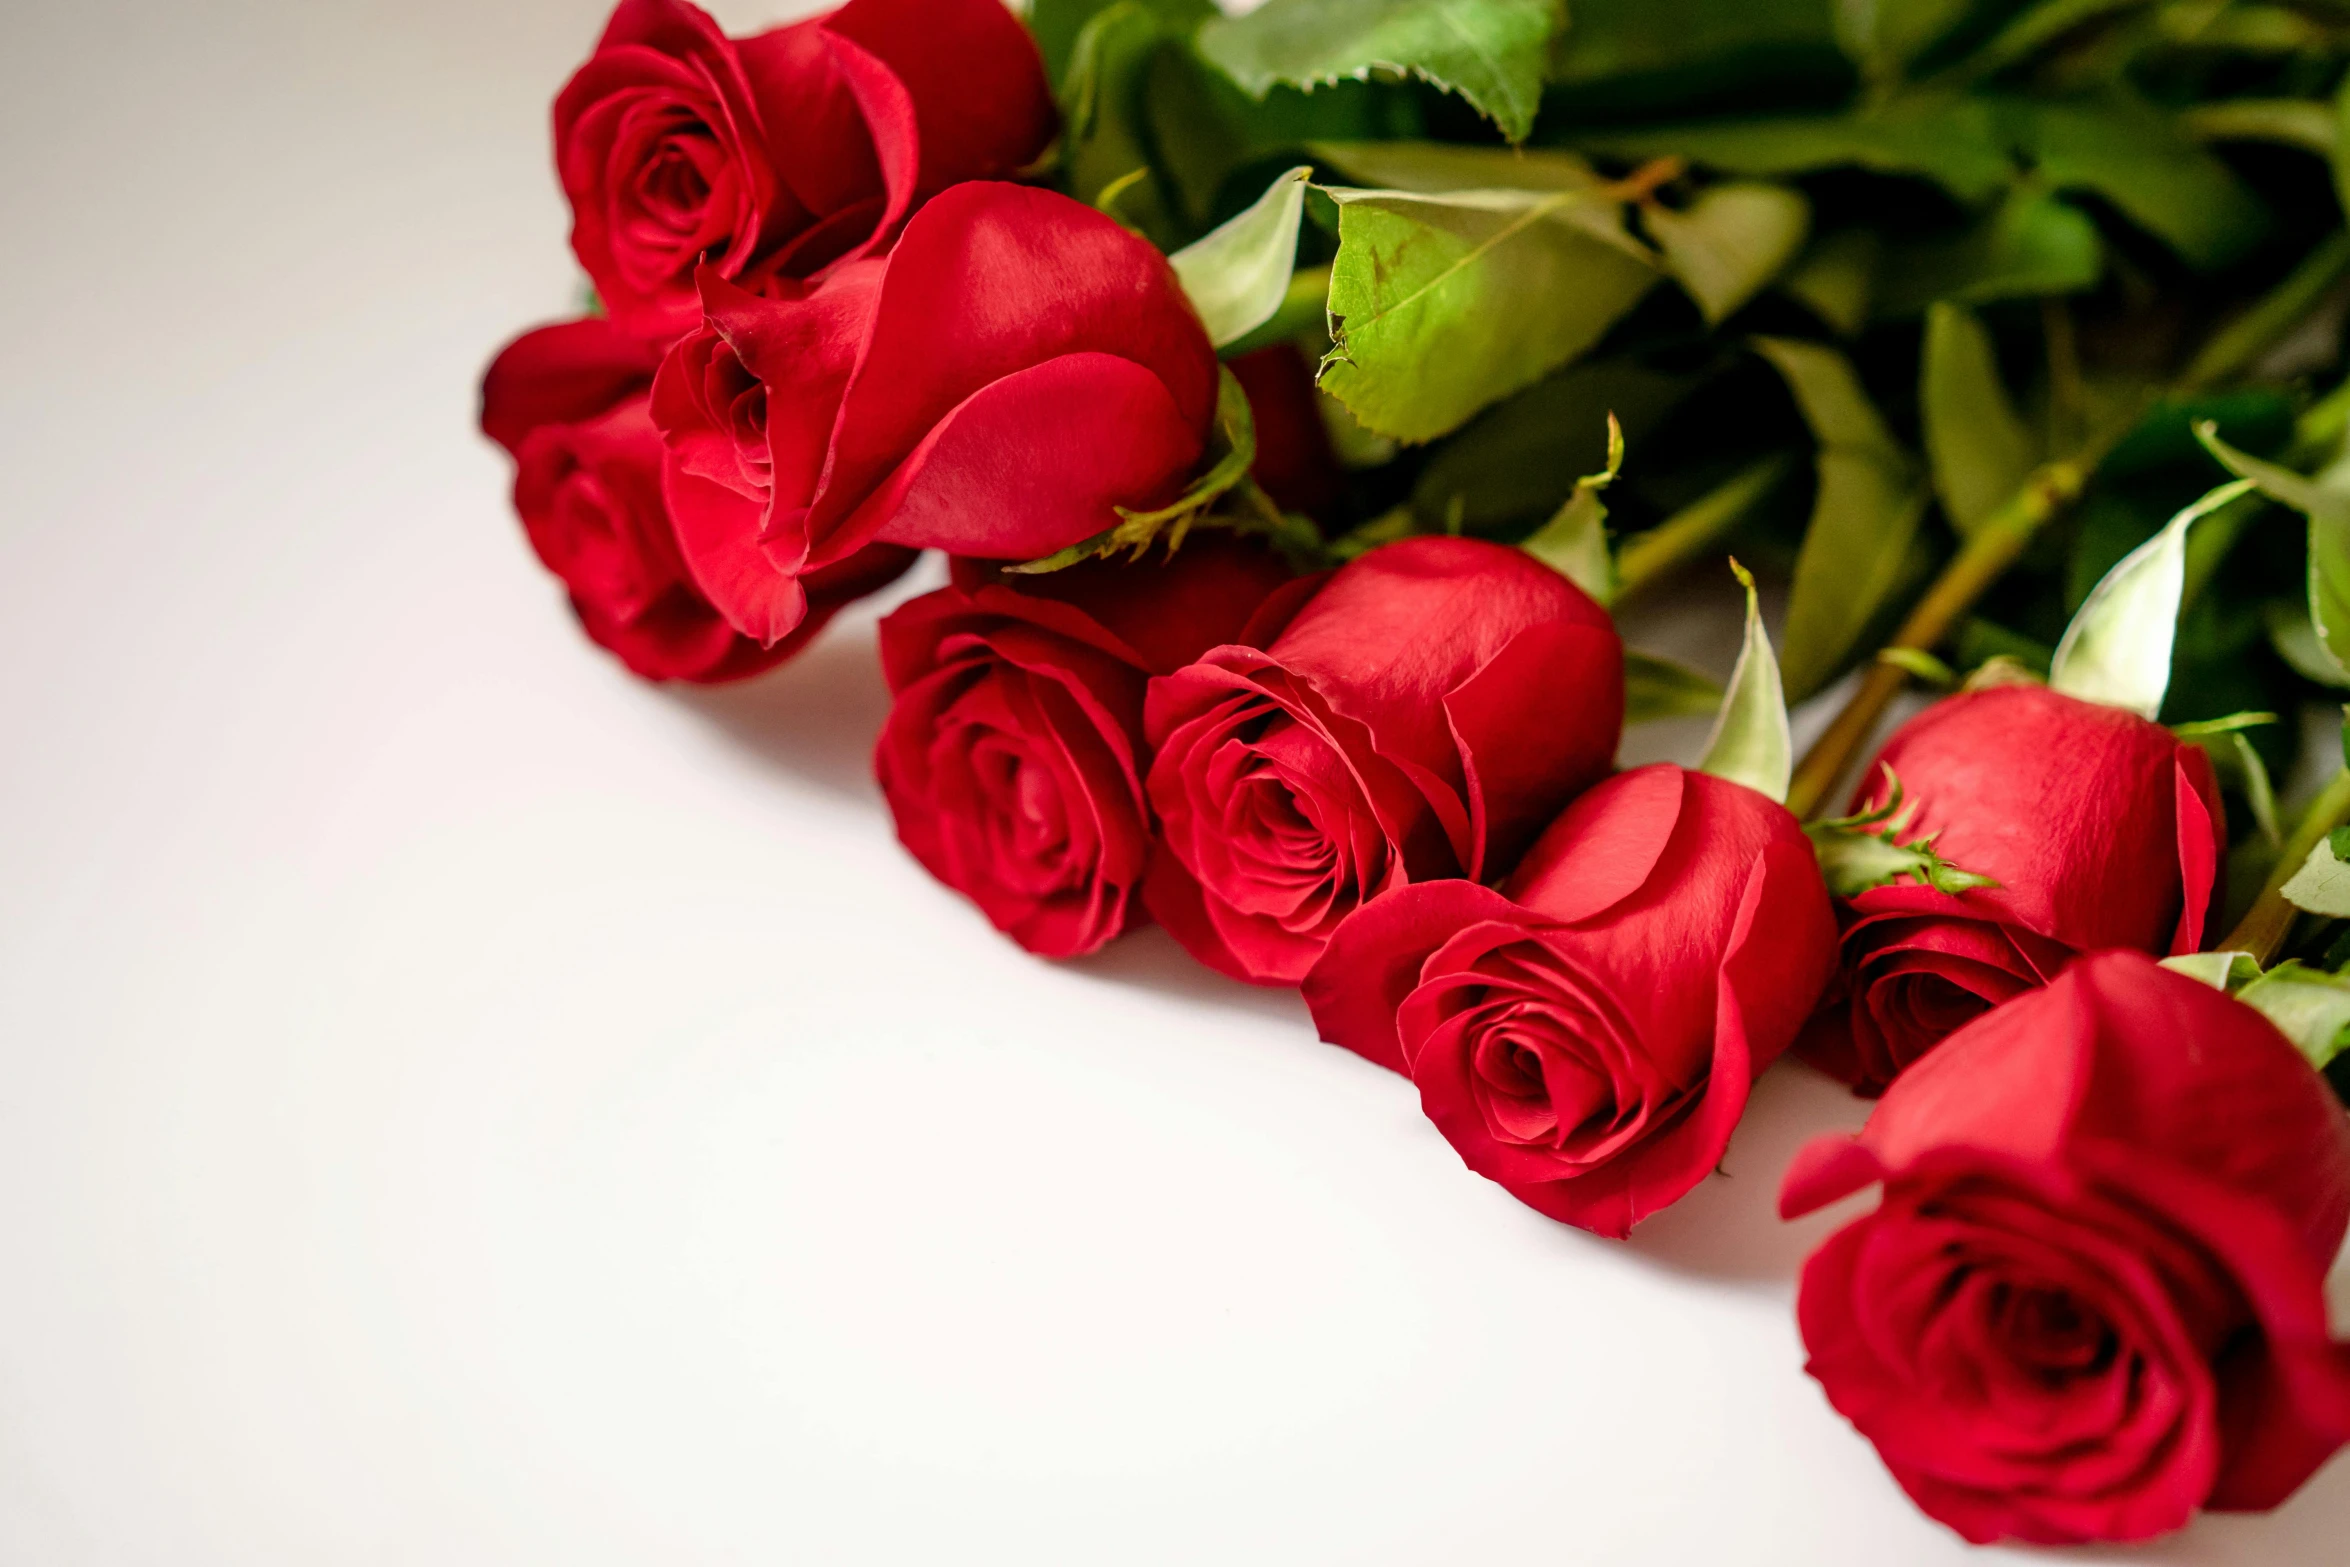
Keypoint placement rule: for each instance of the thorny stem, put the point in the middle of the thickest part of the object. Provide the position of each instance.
(2005, 534)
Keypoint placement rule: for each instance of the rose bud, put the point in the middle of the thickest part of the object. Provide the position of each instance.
(1587, 1036)
(792, 150)
(1426, 712)
(2091, 1299)
(1013, 757)
(1015, 371)
(2099, 828)
(1295, 461)
(571, 404)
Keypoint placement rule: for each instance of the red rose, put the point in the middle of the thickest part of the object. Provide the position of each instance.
(1424, 715)
(570, 402)
(2100, 828)
(2092, 1298)
(789, 151)
(1587, 1035)
(1295, 461)
(1017, 369)
(1013, 758)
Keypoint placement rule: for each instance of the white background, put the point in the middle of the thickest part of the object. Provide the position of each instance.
(460, 1106)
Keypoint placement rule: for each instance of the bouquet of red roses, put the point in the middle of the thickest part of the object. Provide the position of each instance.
(1267, 381)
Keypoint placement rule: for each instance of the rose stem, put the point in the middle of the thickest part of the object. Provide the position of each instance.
(2270, 919)
(2003, 536)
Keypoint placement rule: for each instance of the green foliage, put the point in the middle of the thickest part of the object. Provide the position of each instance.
(2322, 884)
(1870, 500)
(1658, 688)
(1442, 304)
(1057, 25)
(2117, 651)
(1751, 743)
(1490, 52)
(1104, 140)
(2030, 244)
(1520, 460)
(1979, 447)
(2328, 511)
(1238, 275)
(2309, 1006)
(1953, 142)
(1574, 543)
(1865, 850)
(1729, 242)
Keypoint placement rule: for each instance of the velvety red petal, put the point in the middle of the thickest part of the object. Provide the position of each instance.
(1374, 960)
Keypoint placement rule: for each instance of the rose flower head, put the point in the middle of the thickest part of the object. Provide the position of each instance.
(1013, 757)
(1016, 370)
(1587, 1035)
(2091, 1299)
(788, 152)
(2098, 828)
(1432, 705)
(571, 404)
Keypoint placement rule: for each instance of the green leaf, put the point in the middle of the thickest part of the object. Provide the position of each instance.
(1729, 242)
(1751, 743)
(2341, 155)
(1835, 278)
(2322, 884)
(1658, 688)
(1884, 36)
(1864, 519)
(1435, 168)
(2328, 511)
(2290, 122)
(2117, 651)
(1440, 305)
(1234, 451)
(2229, 971)
(2141, 160)
(1058, 23)
(2295, 640)
(2031, 244)
(1103, 142)
(1952, 141)
(1574, 543)
(1519, 460)
(1238, 275)
(2308, 1006)
(1865, 850)
(1978, 445)
(2039, 27)
(1207, 132)
(1690, 41)
(1490, 52)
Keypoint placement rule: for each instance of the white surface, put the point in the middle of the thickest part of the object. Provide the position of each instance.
(458, 1106)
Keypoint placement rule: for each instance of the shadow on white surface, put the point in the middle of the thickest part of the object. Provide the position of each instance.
(1729, 1227)
(817, 716)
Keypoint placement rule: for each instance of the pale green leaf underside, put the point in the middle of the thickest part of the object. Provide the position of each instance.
(1980, 449)
(2117, 651)
(1751, 743)
(1490, 52)
(2328, 511)
(2219, 970)
(1237, 275)
(1442, 304)
(1730, 242)
(1574, 542)
(1864, 520)
(2321, 885)
(2308, 1006)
